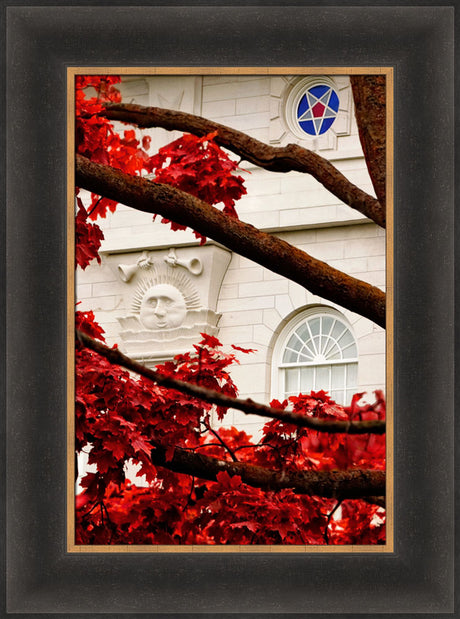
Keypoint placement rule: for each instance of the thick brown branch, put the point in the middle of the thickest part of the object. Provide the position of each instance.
(350, 484)
(267, 250)
(274, 158)
(370, 110)
(248, 406)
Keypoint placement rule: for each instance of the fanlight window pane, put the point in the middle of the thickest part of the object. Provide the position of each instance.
(334, 353)
(338, 330)
(314, 325)
(295, 342)
(327, 324)
(303, 332)
(290, 356)
(350, 352)
(346, 339)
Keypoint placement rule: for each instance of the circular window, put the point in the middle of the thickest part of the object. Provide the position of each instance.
(312, 106)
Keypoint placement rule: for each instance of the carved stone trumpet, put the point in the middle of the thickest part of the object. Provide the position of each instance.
(193, 265)
(126, 271)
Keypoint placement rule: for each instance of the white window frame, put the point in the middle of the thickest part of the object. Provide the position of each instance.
(278, 367)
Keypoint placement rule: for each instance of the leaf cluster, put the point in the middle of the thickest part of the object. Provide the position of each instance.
(120, 419)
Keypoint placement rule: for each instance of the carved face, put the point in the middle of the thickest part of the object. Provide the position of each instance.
(163, 307)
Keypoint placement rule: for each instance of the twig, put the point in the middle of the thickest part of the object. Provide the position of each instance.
(329, 516)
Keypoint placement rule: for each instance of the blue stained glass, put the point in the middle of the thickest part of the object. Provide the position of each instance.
(334, 101)
(303, 106)
(327, 122)
(308, 127)
(318, 91)
(317, 109)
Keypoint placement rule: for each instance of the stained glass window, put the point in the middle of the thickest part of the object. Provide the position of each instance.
(317, 109)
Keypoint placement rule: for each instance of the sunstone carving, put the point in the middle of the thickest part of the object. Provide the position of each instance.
(170, 298)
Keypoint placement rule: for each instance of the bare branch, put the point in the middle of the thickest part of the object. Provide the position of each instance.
(267, 250)
(370, 110)
(341, 485)
(274, 158)
(248, 406)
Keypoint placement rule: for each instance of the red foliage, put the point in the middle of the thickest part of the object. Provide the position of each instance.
(196, 165)
(88, 238)
(120, 419)
(199, 167)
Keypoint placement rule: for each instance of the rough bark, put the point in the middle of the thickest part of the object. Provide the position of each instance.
(350, 484)
(269, 251)
(247, 406)
(274, 158)
(369, 95)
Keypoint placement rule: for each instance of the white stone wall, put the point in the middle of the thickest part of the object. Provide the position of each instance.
(254, 302)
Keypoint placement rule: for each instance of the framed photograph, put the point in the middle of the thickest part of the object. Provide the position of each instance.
(128, 492)
(239, 319)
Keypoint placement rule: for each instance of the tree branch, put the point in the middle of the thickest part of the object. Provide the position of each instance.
(269, 251)
(340, 485)
(248, 406)
(370, 109)
(274, 158)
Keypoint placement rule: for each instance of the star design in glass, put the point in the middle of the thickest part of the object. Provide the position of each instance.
(317, 109)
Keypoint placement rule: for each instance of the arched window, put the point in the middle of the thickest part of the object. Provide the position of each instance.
(317, 350)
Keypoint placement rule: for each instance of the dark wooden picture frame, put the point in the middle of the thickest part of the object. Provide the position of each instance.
(41, 576)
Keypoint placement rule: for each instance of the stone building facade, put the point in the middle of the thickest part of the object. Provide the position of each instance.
(156, 289)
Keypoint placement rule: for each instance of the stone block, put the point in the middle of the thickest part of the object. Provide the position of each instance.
(246, 122)
(252, 105)
(345, 232)
(95, 273)
(83, 291)
(256, 87)
(366, 247)
(349, 265)
(234, 319)
(284, 304)
(371, 369)
(217, 109)
(237, 276)
(263, 221)
(255, 289)
(272, 318)
(104, 289)
(262, 335)
(307, 216)
(107, 303)
(260, 185)
(236, 335)
(246, 303)
(372, 343)
(376, 263)
(228, 291)
(250, 381)
(297, 294)
(376, 278)
(299, 238)
(328, 251)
